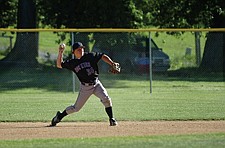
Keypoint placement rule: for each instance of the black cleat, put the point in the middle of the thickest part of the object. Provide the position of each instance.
(113, 122)
(55, 120)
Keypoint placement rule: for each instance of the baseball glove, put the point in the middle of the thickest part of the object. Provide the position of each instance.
(115, 68)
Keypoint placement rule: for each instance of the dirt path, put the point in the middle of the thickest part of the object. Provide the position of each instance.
(32, 130)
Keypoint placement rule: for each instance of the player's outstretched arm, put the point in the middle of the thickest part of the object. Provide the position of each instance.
(60, 55)
(115, 67)
(107, 59)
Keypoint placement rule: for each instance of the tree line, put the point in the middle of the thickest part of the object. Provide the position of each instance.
(117, 14)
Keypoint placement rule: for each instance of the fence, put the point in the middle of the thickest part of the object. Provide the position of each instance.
(144, 54)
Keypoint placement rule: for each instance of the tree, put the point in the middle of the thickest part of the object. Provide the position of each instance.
(91, 14)
(25, 49)
(88, 14)
(119, 14)
(195, 14)
(7, 13)
(213, 57)
(69, 14)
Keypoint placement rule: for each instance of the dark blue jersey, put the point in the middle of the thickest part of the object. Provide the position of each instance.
(86, 67)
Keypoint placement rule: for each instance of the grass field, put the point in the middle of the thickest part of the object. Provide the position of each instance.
(36, 96)
(170, 100)
(165, 141)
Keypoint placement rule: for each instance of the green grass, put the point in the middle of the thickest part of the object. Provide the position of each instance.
(175, 47)
(169, 101)
(195, 140)
(49, 42)
(36, 94)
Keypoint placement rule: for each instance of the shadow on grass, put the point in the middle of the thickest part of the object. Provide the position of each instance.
(54, 79)
(195, 75)
(43, 77)
(49, 78)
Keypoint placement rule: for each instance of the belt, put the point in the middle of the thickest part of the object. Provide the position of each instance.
(88, 84)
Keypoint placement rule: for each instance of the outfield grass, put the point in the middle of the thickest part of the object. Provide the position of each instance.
(173, 141)
(174, 101)
(36, 95)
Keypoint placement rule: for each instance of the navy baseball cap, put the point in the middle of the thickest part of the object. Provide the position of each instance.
(77, 45)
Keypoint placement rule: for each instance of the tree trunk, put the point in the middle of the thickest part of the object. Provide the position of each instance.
(213, 53)
(213, 57)
(25, 49)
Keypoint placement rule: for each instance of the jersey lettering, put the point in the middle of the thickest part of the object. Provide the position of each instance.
(82, 66)
(90, 71)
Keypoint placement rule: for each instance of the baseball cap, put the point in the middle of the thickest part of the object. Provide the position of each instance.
(78, 45)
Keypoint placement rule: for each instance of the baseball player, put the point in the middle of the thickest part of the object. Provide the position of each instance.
(85, 67)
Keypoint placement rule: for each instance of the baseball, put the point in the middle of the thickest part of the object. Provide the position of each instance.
(62, 45)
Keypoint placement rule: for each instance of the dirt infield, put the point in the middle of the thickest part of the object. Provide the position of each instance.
(34, 130)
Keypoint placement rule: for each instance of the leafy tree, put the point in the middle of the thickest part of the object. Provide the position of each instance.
(8, 12)
(87, 14)
(195, 14)
(91, 14)
(186, 13)
(117, 14)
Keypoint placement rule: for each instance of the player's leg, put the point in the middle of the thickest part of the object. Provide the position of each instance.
(101, 93)
(84, 93)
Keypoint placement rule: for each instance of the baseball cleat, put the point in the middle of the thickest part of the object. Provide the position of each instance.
(113, 122)
(55, 120)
